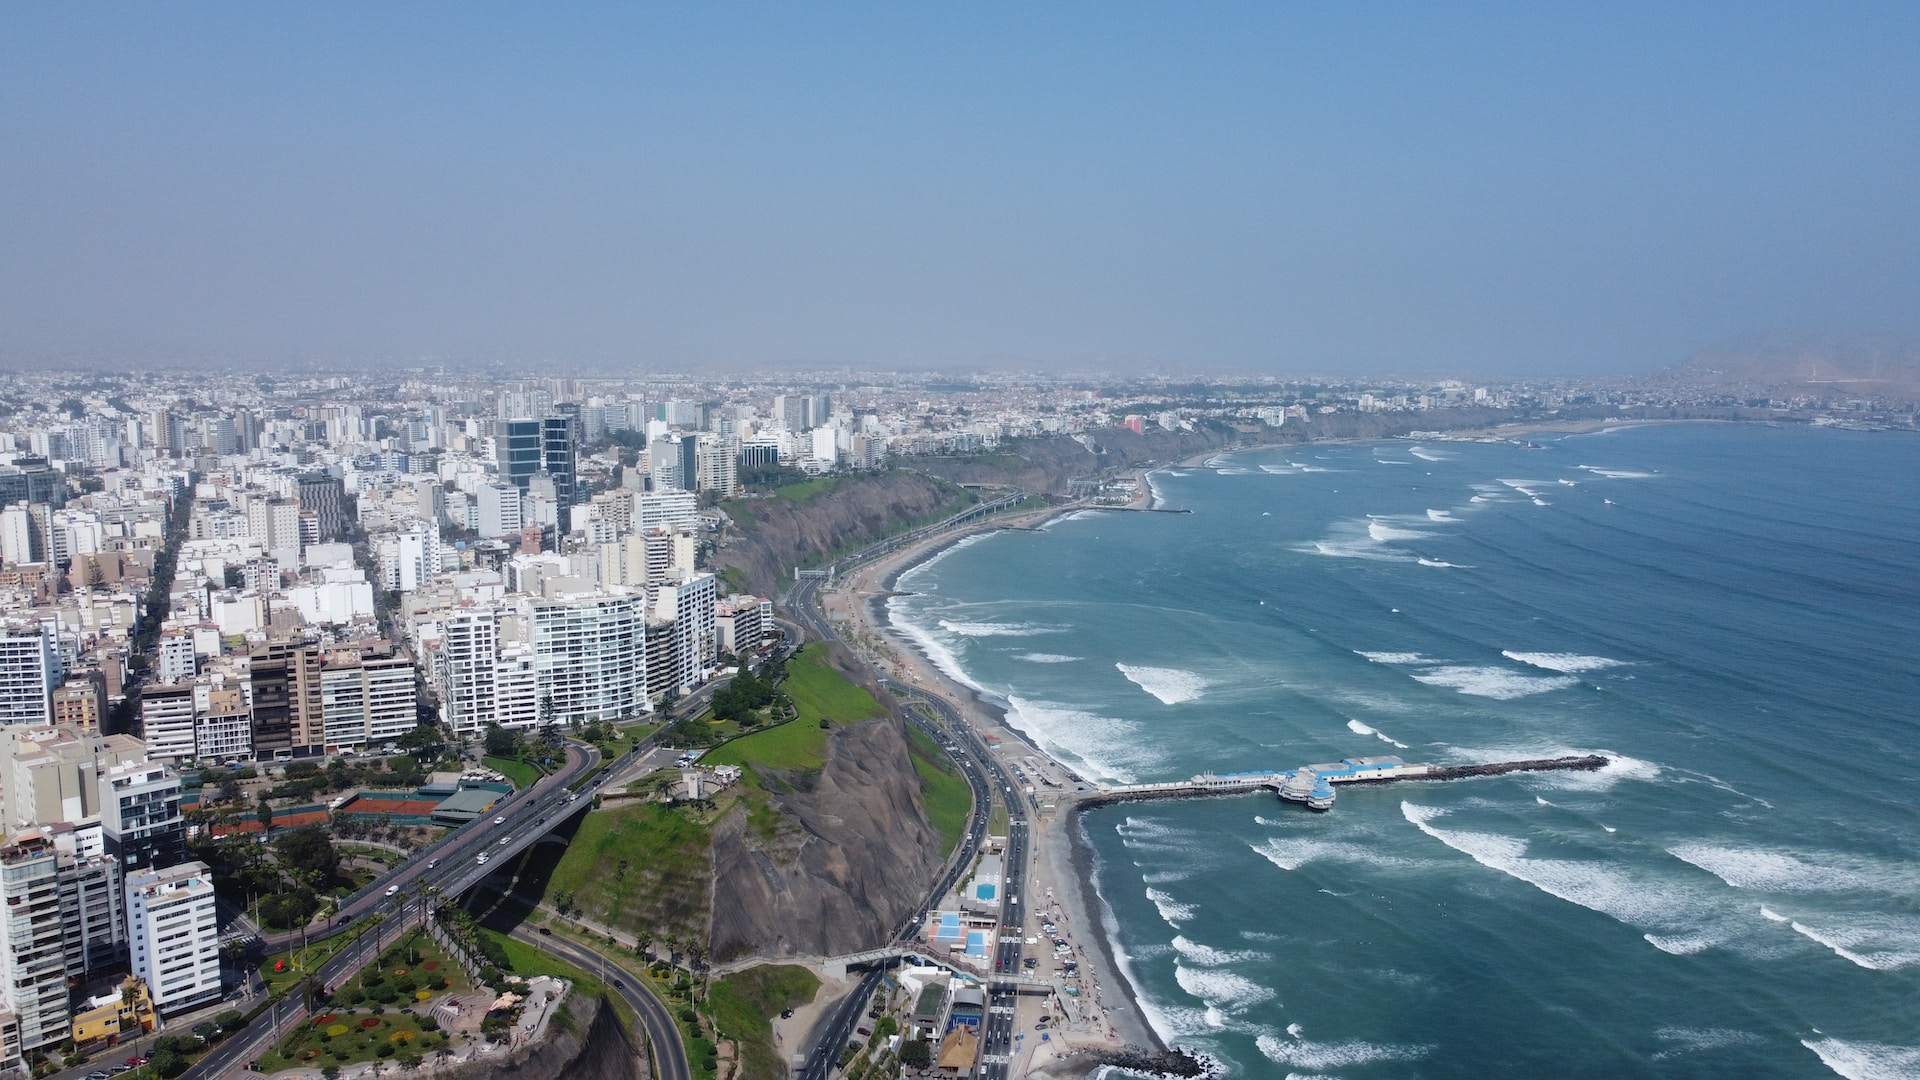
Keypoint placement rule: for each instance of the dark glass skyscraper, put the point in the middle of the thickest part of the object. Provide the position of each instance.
(517, 447)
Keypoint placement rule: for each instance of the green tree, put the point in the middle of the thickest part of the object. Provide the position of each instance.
(309, 853)
(499, 742)
(916, 1054)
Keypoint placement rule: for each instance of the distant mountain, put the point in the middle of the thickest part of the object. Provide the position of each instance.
(1805, 367)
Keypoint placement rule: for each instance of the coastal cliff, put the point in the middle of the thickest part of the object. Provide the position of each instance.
(849, 856)
(774, 534)
(592, 1044)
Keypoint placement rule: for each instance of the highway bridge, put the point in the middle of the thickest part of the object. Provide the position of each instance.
(449, 869)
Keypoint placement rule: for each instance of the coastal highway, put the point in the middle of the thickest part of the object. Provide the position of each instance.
(669, 1054)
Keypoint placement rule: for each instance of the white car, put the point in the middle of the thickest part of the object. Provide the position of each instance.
(499, 821)
(482, 858)
(393, 890)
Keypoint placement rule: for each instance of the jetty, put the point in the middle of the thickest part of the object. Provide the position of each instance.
(1313, 785)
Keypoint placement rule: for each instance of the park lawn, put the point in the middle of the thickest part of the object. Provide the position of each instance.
(806, 489)
(645, 867)
(819, 692)
(948, 795)
(744, 1004)
(997, 821)
(522, 774)
(795, 746)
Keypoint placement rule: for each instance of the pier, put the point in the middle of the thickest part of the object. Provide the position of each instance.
(1313, 785)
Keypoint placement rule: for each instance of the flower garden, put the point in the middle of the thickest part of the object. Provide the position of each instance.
(380, 1014)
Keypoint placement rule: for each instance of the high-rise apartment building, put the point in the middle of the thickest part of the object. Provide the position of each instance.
(33, 961)
(175, 939)
(167, 721)
(81, 700)
(222, 724)
(499, 510)
(30, 669)
(589, 651)
(369, 699)
(469, 651)
(140, 811)
(285, 677)
(274, 523)
(174, 658)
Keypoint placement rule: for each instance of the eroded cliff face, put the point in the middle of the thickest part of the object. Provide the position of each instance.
(774, 535)
(596, 1046)
(851, 854)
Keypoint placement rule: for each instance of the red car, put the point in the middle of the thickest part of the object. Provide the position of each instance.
(136, 1061)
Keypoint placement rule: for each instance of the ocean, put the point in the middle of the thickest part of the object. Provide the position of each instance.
(1732, 612)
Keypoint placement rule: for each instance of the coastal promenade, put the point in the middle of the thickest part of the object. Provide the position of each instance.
(1045, 870)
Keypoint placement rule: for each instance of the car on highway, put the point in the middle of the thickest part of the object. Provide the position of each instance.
(431, 863)
(505, 840)
(499, 821)
(393, 890)
(481, 858)
(618, 985)
(544, 932)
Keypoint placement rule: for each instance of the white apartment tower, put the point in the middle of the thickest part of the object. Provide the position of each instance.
(469, 649)
(33, 963)
(589, 651)
(175, 940)
(30, 668)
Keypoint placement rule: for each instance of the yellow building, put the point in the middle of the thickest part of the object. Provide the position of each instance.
(108, 1015)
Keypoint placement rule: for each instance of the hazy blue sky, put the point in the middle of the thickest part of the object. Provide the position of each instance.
(1334, 187)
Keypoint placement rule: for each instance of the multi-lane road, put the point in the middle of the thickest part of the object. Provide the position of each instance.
(450, 868)
(670, 1057)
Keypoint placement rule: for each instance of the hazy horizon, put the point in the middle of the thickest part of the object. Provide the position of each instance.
(1499, 191)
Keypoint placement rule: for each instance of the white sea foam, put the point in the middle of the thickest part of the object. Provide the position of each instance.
(1391, 461)
(1165, 877)
(1293, 1030)
(1571, 663)
(1338, 1055)
(1171, 685)
(932, 648)
(1693, 1040)
(1538, 501)
(1212, 957)
(1110, 748)
(1682, 945)
(1610, 828)
(981, 629)
(1171, 910)
(1292, 853)
(1615, 474)
(1425, 454)
(940, 556)
(1674, 921)
(1766, 871)
(1386, 533)
(1047, 658)
(1773, 916)
(1491, 682)
(1866, 1061)
(1541, 801)
(1874, 941)
(1445, 565)
(1221, 990)
(1443, 516)
(1359, 728)
(1395, 657)
(1525, 487)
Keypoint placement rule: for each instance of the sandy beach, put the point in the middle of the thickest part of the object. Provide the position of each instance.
(1061, 875)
